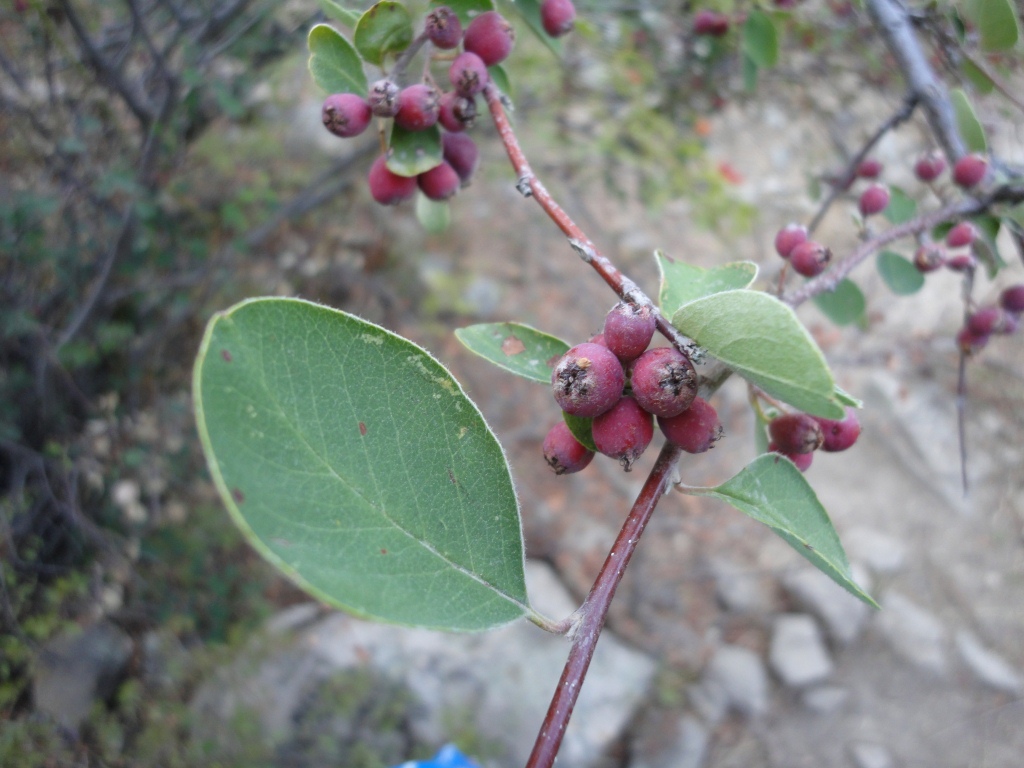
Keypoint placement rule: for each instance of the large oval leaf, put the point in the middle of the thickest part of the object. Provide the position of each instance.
(354, 462)
(760, 39)
(996, 21)
(773, 491)
(334, 63)
(682, 283)
(517, 348)
(384, 28)
(761, 339)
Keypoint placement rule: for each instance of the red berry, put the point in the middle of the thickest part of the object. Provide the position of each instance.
(1012, 299)
(557, 16)
(970, 342)
(628, 330)
(839, 434)
(664, 381)
(696, 429)
(796, 433)
(788, 238)
(929, 166)
(710, 23)
(960, 235)
(802, 460)
(961, 263)
(929, 257)
(384, 98)
(418, 107)
(460, 151)
(389, 188)
(587, 380)
(345, 114)
(468, 74)
(490, 37)
(869, 169)
(440, 182)
(623, 432)
(810, 258)
(598, 339)
(563, 453)
(457, 113)
(874, 199)
(969, 170)
(985, 321)
(443, 28)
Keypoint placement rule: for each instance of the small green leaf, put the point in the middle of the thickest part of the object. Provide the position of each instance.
(530, 11)
(466, 10)
(517, 348)
(761, 39)
(901, 206)
(984, 246)
(414, 152)
(967, 121)
(846, 398)
(749, 74)
(500, 78)
(581, 429)
(761, 339)
(682, 283)
(354, 462)
(981, 81)
(845, 305)
(338, 13)
(434, 215)
(385, 28)
(900, 274)
(334, 63)
(773, 491)
(996, 21)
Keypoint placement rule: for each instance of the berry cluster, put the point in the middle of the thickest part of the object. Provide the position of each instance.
(487, 40)
(797, 435)
(1001, 318)
(621, 385)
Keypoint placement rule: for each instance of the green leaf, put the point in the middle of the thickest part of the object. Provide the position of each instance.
(581, 429)
(334, 63)
(760, 39)
(901, 206)
(773, 491)
(517, 348)
(338, 13)
(996, 21)
(353, 461)
(530, 12)
(976, 76)
(414, 152)
(760, 432)
(984, 246)
(900, 274)
(433, 215)
(967, 122)
(682, 283)
(465, 9)
(500, 78)
(749, 74)
(846, 398)
(385, 28)
(761, 339)
(845, 305)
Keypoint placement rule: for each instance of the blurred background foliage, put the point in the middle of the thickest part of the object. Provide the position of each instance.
(153, 172)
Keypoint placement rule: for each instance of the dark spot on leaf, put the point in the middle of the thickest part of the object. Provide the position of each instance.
(383, 551)
(452, 477)
(237, 495)
(362, 429)
(226, 355)
(512, 346)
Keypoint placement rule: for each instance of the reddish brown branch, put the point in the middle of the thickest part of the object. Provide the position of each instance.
(591, 616)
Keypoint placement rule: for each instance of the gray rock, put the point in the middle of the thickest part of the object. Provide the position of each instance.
(867, 755)
(74, 670)
(988, 666)
(496, 685)
(913, 633)
(680, 743)
(739, 589)
(736, 679)
(842, 615)
(797, 653)
(881, 553)
(825, 699)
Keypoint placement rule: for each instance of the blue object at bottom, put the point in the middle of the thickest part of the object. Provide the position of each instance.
(448, 757)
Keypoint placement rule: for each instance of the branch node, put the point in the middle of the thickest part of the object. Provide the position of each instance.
(583, 250)
(523, 185)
